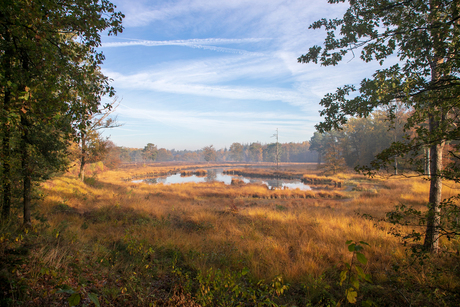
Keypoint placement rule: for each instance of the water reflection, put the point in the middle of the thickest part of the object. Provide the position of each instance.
(151, 180)
(211, 175)
(217, 175)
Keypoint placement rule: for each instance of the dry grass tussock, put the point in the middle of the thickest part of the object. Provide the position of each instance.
(297, 234)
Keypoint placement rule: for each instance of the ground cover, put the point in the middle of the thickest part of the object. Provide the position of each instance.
(110, 242)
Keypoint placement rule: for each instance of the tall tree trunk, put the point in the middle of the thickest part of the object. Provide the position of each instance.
(435, 121)
(27, 174)
(427, 162)
(6, 175)
(25, 125)
(6, 151)
(83, 159)
(434, 211)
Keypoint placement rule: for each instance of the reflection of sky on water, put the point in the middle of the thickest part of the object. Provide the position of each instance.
(176, 178)
(217, 175)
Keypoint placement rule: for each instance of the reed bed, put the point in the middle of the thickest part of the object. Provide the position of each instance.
(199, 173)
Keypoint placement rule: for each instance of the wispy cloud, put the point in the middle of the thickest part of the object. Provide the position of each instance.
(208, 44)
(185, 42)
(144, 113)
(216, 121)
(144, 81)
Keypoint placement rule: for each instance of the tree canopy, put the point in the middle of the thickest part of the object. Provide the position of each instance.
(236, 152)
(424, 36)
(150, 152)
(49, 81)
(209, 153)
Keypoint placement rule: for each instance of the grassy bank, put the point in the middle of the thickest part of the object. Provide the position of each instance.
(115, 243)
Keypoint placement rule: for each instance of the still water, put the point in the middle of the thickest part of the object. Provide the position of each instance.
(217, 175)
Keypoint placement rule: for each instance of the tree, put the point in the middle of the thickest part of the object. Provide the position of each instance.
(93, 147)
(332, 146)
(270, 152)
(222, 154)
(122, 153)
(316, 144)
(114, 155)
(47, 82)
(286, 152)
(150, 152)
(335, 162)
(164, 155)
(424, 35)
(256, 152)
(236, 152)
(209, 153)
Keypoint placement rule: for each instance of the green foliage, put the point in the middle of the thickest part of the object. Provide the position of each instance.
(91, 180)
(230, 288)
(319, 292)
(425, 80)
(49, 80)
(76, 296)
(409, 224)
(354, 275)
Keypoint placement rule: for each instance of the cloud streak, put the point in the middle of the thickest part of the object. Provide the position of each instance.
(208, 44)
(186, 42)
(215, 122)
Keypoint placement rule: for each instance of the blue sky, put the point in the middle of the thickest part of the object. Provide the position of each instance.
(205, 72)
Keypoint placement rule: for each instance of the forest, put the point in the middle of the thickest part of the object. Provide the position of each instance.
(254, 152)
(85, 222)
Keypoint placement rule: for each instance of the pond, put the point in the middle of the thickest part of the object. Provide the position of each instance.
(217, 175)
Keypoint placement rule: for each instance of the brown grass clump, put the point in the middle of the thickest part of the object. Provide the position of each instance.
(199, 173)
(321, 180)
(265, 173)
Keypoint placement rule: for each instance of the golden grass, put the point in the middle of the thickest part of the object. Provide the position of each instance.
(297, 234)
(290, 232)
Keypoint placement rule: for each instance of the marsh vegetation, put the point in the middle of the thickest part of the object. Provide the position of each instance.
(211, 244)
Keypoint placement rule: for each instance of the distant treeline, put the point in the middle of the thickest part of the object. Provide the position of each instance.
(361, 139)
(254, 152)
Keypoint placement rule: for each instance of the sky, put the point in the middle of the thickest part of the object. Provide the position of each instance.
(194, 73)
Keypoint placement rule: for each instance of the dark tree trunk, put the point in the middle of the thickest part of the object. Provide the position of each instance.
(25, 157)
(6, 174)
(83, 159)
(6, 152)
(427, 162)
(27, 174)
